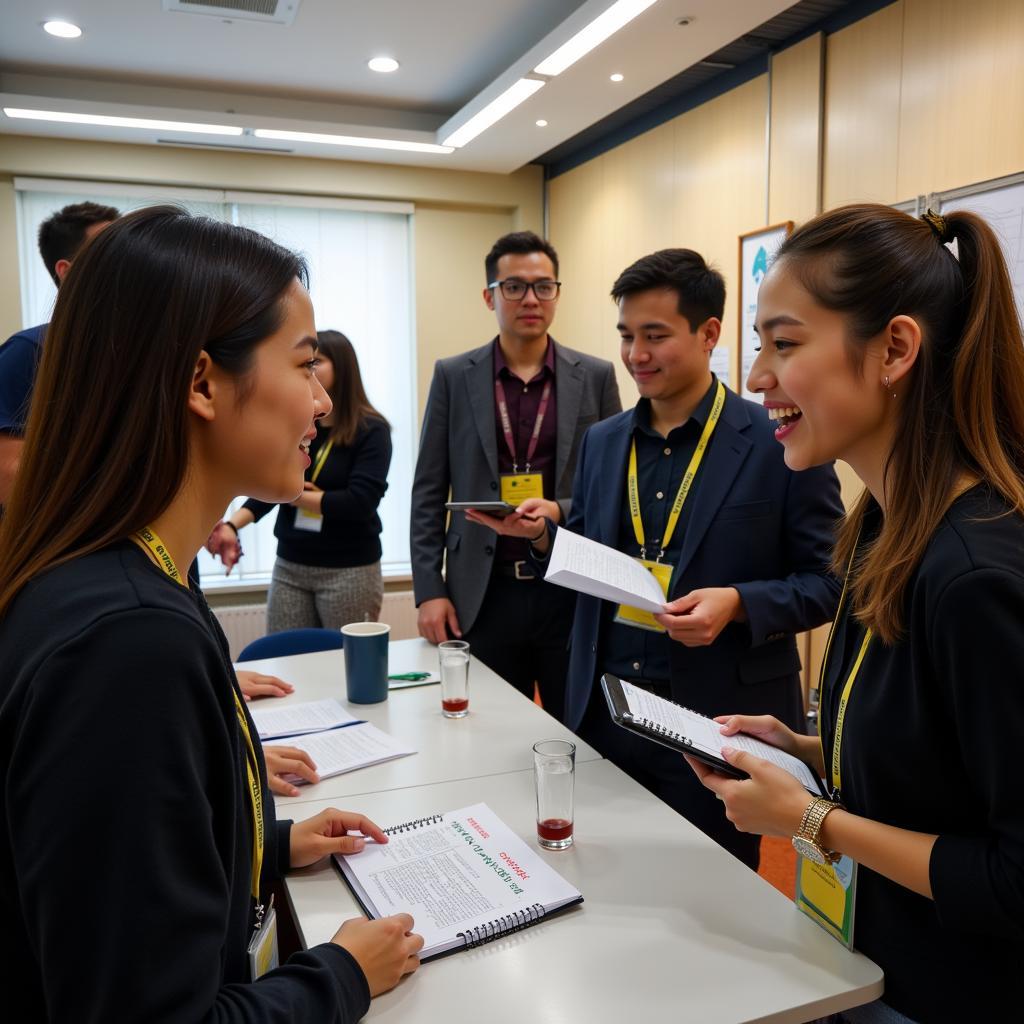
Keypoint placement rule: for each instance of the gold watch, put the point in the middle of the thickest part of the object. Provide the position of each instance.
(806, 842)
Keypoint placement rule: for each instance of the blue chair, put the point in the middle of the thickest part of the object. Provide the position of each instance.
(292, 641)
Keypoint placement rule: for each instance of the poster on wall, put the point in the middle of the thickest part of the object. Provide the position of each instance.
(757, 250)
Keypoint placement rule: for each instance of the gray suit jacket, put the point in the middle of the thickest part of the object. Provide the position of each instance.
(459, 454)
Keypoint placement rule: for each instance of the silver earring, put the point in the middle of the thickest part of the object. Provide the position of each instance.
(885, 384)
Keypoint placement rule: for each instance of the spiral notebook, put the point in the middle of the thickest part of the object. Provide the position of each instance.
(691, 733)
(465, 877)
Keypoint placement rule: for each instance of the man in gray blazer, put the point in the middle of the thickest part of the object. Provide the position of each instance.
(504, 421)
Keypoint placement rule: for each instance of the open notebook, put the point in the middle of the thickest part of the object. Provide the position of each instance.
(465, 877)
(691, 733)
(274, 721)
(341, 750)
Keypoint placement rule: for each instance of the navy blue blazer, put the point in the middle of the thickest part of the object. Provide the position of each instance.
(753, 524)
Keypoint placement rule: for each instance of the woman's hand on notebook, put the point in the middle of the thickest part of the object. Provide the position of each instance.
(386, 950)
(770, 803)
(770, 730)
(328, 832)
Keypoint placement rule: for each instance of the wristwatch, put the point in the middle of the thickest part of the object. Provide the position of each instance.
(805, 842)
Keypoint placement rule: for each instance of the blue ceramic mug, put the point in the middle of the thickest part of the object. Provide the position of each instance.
(366, 661)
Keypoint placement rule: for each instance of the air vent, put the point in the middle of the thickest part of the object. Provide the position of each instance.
(272, 12)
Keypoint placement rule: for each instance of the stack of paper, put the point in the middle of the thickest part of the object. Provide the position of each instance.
(344, 750)
(274, 722)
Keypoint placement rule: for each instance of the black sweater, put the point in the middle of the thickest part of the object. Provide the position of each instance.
(353, 480)
(127, 836)
(932, 741)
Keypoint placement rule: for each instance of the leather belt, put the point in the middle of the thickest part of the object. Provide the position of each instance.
(521, 570)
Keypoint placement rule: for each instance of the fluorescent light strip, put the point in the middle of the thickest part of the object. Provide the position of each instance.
(494, 111)
(604, 25)
(350, 140)
(121, 122)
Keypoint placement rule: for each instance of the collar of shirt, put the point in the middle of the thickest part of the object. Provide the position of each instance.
(500, 365)
(699, 416)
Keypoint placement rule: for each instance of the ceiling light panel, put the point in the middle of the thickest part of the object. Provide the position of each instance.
(351, 140)
(494, 111)
(110, 121)
(383, 65)
(62, 29)
(604, 25)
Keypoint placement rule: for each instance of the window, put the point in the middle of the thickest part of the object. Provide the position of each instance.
(360, 261)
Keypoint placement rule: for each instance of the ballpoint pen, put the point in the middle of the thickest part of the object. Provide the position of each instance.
(410, 677)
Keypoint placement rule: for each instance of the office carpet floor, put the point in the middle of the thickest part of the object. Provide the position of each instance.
(778, 864)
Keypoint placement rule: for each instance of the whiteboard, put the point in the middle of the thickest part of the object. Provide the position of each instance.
(1002, 205)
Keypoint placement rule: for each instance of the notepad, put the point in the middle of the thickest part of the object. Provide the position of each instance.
(345, 749)
(464, 876)
(275, 722)
(591, 568)
(691, 733)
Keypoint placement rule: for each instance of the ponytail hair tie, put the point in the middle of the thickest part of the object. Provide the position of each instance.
(940, 226)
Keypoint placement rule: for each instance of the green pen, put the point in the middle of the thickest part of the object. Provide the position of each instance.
(410, 677)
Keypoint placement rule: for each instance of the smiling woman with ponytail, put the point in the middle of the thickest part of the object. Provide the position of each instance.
(898, 342)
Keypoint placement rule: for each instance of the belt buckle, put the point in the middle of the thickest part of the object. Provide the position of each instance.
(520, 575)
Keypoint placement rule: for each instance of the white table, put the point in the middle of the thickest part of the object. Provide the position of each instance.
(672, 928)
(496, 736)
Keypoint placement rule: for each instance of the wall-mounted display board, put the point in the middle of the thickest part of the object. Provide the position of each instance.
(1001, 203)
(757, 250)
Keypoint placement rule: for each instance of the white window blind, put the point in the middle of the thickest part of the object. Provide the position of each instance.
(360, 263)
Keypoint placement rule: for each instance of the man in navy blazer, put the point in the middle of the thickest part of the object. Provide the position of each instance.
(749, 550)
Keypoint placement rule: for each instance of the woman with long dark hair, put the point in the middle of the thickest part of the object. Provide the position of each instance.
(140, 841)
(894, 344)
(328, 570)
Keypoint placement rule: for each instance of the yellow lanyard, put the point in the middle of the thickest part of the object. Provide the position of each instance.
(148, 538)
(321, 458)
(837, 740)
(633, 483)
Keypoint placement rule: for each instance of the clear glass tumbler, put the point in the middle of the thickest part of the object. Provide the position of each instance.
(454, 658)
(554, 771)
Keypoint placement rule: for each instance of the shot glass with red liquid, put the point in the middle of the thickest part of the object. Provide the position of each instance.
(554, 771)
(454, 658)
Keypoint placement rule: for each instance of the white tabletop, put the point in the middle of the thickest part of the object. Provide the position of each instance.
(496, 736)
(672, 927)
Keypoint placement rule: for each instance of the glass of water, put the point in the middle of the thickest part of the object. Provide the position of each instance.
(554, 771)
(454, 657)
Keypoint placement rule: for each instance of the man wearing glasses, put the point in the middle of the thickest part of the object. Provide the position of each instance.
(504, 422)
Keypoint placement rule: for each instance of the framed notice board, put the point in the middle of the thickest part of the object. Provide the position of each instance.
(757, 249)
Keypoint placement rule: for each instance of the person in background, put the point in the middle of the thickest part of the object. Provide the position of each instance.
(504, 421)
(131, 890)
(327, 571)
(61, 236)
(884, 346)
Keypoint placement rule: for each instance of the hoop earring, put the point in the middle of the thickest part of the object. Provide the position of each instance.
(885, 384)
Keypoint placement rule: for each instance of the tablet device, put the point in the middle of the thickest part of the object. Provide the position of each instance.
(492, 508)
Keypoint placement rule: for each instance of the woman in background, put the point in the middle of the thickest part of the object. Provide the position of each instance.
(882, 346)
(327, 571)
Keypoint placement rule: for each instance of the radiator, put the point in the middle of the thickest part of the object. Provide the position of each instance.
(247, 622)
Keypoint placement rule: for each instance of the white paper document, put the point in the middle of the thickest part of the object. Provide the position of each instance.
(591, 568)
(706, 734)
(343, 750)
(295, 719)
(464, 876)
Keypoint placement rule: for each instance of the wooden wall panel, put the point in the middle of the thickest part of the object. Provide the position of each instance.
(862, 110)
(794, 190)
(962, 103)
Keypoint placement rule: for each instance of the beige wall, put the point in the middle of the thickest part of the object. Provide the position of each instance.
(458, 216)
(923, 95)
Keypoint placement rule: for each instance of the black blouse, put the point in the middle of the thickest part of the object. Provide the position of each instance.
(931, 743)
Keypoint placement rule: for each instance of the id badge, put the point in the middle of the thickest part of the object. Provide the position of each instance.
(517, 487)
(311, 521)
(827, 894)
(637, 617)
(263, 946)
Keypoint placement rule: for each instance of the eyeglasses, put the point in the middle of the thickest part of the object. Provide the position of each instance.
(513, 289)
